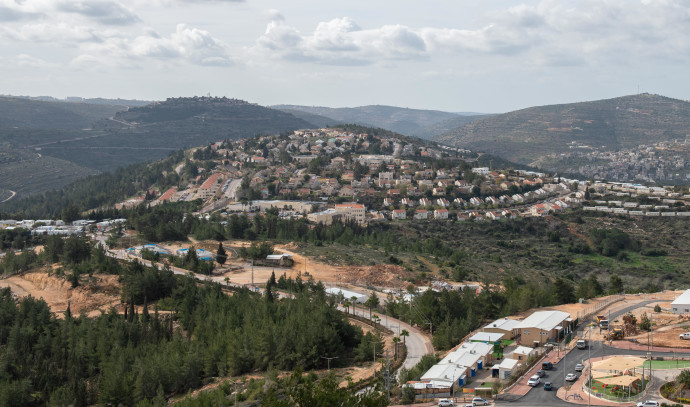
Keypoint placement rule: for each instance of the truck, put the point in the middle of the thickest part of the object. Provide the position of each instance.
(582, 344)
(616, 334)
(604, 324)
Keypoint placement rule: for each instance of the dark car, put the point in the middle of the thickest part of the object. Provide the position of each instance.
(547, 366)
(548, 386)
(541, 373)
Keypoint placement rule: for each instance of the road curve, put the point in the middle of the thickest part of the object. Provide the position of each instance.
(418, 344)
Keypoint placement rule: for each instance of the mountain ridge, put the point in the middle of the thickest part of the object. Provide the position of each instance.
(609, 124)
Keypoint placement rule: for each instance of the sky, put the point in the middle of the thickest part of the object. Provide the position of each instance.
(452, 55)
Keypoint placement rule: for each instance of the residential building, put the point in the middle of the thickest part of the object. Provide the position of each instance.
(353, 211)
(542, 327)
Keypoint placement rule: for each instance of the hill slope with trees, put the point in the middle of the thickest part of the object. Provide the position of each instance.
(528, 134)
(409, 122)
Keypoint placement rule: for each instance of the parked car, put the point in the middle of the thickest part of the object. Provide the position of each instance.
(547, 366)
(685, 335)
(541, 373)
(533, 381)
(445, 403)
(571, 377)
(547, 386)
(579, 367)
(648, 403)
(478, 401)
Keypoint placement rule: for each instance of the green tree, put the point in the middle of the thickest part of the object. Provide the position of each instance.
(645, 323)
(563, 290)
(372, 302)
(616, 284)
(221, 255)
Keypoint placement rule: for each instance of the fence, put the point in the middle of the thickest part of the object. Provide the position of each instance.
(586, 313)
(621, 398)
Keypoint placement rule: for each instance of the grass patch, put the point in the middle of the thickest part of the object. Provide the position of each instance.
(667, 364)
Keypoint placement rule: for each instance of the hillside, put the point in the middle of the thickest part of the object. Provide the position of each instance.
(79, 139)
(527, 135)
(36, 114)
(405, 121)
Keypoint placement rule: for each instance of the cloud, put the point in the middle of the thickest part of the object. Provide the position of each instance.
(9, 14)
(62, 32)
(339, 41)
(28, 61)
(186, 44)
(102, 11)
(547, 32)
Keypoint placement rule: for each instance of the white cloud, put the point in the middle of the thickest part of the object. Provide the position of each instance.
(547, 32)
(28, 61)
(102, 11)
(54, 33)
(186, 44)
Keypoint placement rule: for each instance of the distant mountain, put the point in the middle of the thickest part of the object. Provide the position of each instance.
(317, 120)
(408, 122)
(525, 135)
(27, 113)
(448, 125)
(86, 138)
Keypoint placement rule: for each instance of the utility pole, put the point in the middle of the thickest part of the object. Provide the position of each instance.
(374, 346)
(589, 349)
(387, 376)
(252, 274)
(329, 361)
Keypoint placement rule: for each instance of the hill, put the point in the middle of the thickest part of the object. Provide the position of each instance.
(79, 139)
(409, 122)
(436, 129)
(27, 113)
(526, 135)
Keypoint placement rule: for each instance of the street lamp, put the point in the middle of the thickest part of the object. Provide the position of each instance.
(329, 361)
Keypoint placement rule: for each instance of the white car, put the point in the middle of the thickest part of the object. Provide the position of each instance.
(478, 401)
(648, 403)
(685, 335)
(534, 380)
(445, 403)
(579, 367)
(571, 377)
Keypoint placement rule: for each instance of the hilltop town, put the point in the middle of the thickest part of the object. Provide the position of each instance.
(328, 174)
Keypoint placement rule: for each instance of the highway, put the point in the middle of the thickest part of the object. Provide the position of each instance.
(539, 397)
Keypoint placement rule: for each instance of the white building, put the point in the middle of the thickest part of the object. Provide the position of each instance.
(681, 305)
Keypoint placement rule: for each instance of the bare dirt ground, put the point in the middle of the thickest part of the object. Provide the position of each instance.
(357, 373)
(239, 271)
(96, 295)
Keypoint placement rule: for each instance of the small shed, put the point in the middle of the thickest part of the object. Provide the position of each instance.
(504, 369)
(281, 260)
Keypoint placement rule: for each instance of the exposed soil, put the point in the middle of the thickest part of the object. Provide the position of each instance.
(95, 295)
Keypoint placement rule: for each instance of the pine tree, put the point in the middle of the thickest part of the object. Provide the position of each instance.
(221, 255)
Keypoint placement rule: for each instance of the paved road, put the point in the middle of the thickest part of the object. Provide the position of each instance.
(539, 397)
(417, 343)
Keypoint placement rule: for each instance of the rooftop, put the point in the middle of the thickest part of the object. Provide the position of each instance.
(544, 320)
(682, 299)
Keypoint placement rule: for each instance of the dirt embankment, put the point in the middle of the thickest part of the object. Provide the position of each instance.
(95, 295)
